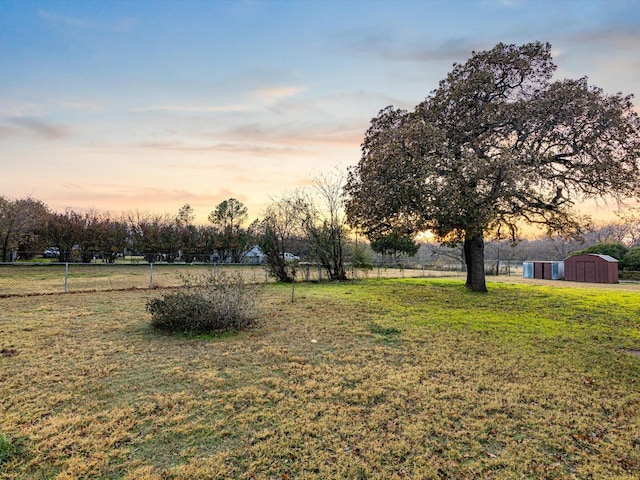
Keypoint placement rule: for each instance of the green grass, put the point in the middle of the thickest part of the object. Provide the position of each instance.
(377, 379)
(8, 449)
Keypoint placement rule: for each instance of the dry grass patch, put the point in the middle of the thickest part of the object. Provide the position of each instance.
(374, 379)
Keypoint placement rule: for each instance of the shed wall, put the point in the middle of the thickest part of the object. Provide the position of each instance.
(590, 268)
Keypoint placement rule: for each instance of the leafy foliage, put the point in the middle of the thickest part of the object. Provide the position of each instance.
(632, 260)
(22, 221)
(495, 145)
(629, 259)
(615, 250)
(212, 302)
(360, 258)
(395, 243)
(227, 218)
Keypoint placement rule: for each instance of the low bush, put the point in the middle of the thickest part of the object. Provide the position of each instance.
(628, 275)
(631, 260)
(207, 303)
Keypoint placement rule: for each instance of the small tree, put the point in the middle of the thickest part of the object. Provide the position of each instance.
(321, 213)
(395, 244)
(231, 239)
(276, 233)
(154, 234)
(65, 231)
(21, 223)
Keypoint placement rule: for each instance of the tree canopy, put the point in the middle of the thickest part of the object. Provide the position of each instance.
(395, 244)
(497, 144)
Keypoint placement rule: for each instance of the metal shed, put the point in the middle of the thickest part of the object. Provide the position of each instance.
(591, 267)
(543, 269)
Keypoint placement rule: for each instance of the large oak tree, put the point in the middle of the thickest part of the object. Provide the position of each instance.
(498, 143)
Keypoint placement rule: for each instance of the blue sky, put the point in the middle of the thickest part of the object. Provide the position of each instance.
(122, 105)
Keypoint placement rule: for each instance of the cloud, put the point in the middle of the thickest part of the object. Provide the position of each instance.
(386, 45)
(345, 134)
(248, 148)
(270, 95)
(7, 132)
(118, 198)
(80, 106)
(619, 36)
(455, 49)
(39, 128)
(262, 98)
(193, 108)
(502, 3)
(11, 108)
(121, 25)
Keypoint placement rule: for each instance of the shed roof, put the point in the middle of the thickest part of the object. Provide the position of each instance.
(606, 258)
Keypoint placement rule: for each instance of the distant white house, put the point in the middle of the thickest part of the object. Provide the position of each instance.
(254, 255)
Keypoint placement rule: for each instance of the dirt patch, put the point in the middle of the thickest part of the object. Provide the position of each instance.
(634, 286)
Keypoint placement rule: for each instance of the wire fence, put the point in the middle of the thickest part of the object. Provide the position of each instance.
(39, 279)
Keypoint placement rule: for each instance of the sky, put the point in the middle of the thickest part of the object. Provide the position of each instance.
(148, 105)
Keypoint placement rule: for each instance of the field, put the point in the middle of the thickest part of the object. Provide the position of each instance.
(30, 279)
(375, 379)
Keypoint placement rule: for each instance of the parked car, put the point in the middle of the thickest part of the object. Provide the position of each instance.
(51, 252)
(290, 257)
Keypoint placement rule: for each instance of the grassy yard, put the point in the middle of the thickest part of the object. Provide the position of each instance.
(377, 379)
(38, 279)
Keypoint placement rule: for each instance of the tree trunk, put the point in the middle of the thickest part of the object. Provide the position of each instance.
(466, 256)
(474, 256)
(5, 247)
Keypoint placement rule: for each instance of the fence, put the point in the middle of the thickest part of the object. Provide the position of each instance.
(38, 279)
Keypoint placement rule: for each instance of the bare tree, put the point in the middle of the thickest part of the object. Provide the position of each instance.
(276, 232)
(324, 222)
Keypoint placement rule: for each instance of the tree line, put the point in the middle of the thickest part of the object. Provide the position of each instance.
(309, 222)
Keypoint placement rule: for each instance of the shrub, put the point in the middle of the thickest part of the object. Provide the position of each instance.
(615, 250)
(206, 303)
(631, 260)
(629, 275)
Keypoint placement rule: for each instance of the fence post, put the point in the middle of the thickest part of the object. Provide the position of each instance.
(66, 276)
(151, 275)
(293, 288)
